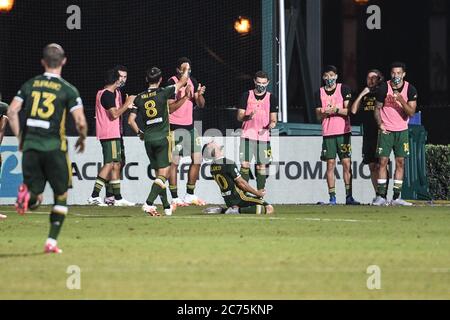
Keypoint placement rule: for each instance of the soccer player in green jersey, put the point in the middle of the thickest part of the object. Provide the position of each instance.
(3, 122)
(232, 186)
(47, 99)
(152, 105)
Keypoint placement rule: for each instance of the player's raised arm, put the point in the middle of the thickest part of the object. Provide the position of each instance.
(355, 106)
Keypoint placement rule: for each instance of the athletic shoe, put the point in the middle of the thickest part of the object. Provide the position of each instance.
(23, 197)
(401, 202)
(2, 216)
(150, 210)
(379, 201)
(168, 212)
(193, 199)
(232, 210)
(179, 203)
(332, 201)
(109, 200)
(52, 247)
(351, 202)
(123, 203)
(97, 201)
(213, 210)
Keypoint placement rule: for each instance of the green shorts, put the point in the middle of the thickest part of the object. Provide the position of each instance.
(159, 152)
(261, 150)
(112, 150)
(336, 145)
(369, 150)
(187, 142)
(397, 141)
(38, 167)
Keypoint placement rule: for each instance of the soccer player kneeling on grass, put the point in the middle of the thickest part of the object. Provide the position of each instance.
(152, 106)
(232, 186)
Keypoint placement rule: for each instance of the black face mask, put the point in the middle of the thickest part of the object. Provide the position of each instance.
(260, 88)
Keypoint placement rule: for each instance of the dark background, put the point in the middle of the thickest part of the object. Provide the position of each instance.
(140, 34)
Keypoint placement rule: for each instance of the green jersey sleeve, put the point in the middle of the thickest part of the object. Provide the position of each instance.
(24, 91)
(233, 171)
(169, 91)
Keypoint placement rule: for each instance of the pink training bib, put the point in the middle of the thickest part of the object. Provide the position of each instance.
(392, 114)
(184, 114)
(105, 127)
(256, 128)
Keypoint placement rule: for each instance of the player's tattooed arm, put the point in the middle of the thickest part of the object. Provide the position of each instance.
(355, 106)
(246, 187)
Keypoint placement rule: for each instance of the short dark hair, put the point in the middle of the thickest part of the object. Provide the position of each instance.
(53, 55)
(183, 60)
(398, 64)
(379, 74)
(120, 67)
(329, 68)
(262, 74)
(208, 152)
(112, 75)
(153, 75)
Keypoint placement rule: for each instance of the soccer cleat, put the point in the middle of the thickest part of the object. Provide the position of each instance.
(232, 210)
(97, 201)
(193, 199)
(49, 248)
(109, 201)
(351, 202)
(179, 203)
(401, 202)
(150, 210)
(379, 201)
(23, 197)
(2, 216)
(332, 201)
(213, 210)
(123, 203)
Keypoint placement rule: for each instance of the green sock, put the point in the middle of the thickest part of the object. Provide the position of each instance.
(398, 184)
(332, 192)
(109, 190)
(157, 187)
(245, 173)
(163, 197)
(258, 209)
(99, 184)
(190, 188)
(57, 216)
(116, 189)
(261, 179)
(32, 203)
(348, 190)
(382, 188)
(173, 191)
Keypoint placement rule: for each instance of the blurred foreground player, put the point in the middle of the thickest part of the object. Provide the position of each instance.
(3, 122)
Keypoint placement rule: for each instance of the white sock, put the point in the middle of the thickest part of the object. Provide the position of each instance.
(51, 242)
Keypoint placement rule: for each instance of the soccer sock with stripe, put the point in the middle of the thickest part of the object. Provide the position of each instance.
(257, 209)
(99, 184)
(348, 190)
(332, 192)
(382, 188)
(57, 216)
(116, 189)
(109, 190)
(245, 173)
(157, 187)
(397, 189)
(190, 188)
(173, 191)
(261, 179)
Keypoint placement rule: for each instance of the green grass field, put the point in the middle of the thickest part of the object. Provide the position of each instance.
(302, 252)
